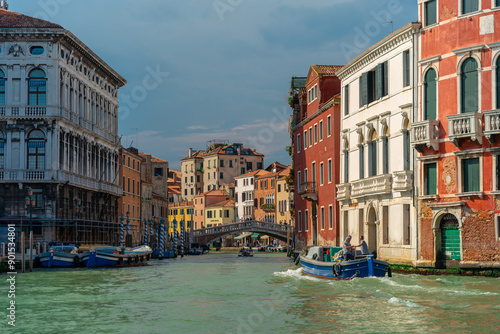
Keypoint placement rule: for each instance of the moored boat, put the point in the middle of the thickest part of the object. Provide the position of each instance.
(326, 262)
(59, 256)
(107, 256)
(245, 252)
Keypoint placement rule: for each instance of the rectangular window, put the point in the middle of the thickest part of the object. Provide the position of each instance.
(221, 163)
(381, 80)
(298, 143)
(230, 163)
(306, 220)
(497, 3)
(2, 91)
(361, 162)
(321, 131)
(305, 139)
(321, 174)
(406, 68)
(346, 166)
(242, 170)
(361, 222)
(221, 175)
(346, 100)
(407, 149)
(209, 214)
(406, 224)
(310, 137)
(430, 12)
(159, 172)
(298, 179)
(315, 133)
(299, 222)
(330, 217)
(469, 6)
(385, 225)
(329, 171)
(471, 176)
(322, 218)
(385, 149)
(430, 179)
(226, 213)
(313, 167)
(329, 126)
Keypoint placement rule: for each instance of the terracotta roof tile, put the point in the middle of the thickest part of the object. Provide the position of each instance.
(327, 69)
(10, 19)
(153, 158)
(228, 203)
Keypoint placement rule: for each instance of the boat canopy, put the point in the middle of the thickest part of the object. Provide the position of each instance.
(243, 235)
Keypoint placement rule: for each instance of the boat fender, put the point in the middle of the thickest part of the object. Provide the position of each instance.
(315, 256)
(120, 261)
(389, 272)
(337, 269)
(297, 260)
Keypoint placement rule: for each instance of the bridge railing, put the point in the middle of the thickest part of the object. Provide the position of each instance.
(271, 227)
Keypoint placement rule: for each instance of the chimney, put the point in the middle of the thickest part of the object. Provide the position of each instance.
(4, 5)
(190, 152)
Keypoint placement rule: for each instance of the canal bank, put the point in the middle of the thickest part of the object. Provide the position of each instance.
(221, 293)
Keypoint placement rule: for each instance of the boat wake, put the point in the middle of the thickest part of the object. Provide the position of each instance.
(297, 274)
(407, 303)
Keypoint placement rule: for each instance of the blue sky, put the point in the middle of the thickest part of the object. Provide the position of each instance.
(225, 65)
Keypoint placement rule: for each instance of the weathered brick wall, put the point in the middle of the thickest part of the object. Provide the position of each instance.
(478, 237)
(426, 233)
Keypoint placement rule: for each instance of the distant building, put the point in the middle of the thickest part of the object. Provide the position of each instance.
(183, 211)
(203, 200)
(220, 213)
(282, 199)
(130, 180)
(265, 193)
(155, 171)
(58, 132)
(244, 194)
(192, 178)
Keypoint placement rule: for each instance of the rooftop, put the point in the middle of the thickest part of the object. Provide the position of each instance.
(10, 19)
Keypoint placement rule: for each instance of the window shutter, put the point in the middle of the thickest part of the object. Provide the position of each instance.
(346, 100)
(430, 12)
(471, 175)
(470, 87)
(385, 152)
(430, 95)
(361, 162)
(406, 68)
(370, 90)
(379, 81)
(363, 89)
(370, 159)
(431, 177)
(385, 70)
(346, 166)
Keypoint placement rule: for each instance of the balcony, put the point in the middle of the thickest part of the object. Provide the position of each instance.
(425, 133)
(491, 124)
(402, 181)
(375, 185)
(307, 191)
(268, 207)
(343, 192)
(465, 126)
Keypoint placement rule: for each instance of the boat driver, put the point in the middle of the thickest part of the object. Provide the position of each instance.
(348, 249)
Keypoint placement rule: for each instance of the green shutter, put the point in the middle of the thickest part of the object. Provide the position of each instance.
(430, 100)
(406, 79)
(385, 152)
(407, 149)
(363, 89)
(346, 100)
(430, 12)
(346, 166)
(370, 90)
(385, 70)
(471, 178)
(498, 2)
(372, 158)
(430, 181)
(470, 94)
(361, 162)
(469, 6)
(379, 81)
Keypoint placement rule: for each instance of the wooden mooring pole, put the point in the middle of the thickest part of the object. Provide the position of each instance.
(23, 255)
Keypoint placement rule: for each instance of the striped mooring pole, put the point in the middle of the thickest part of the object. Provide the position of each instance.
(121, 231)
(165, 233)
(145, 232)
(175, 235)
(182, 237)
(162, 236)
(151, 234)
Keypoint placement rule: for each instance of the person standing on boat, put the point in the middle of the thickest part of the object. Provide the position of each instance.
(363, 245)
(348, 249)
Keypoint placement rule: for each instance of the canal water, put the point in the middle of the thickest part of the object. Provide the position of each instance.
(221, 293)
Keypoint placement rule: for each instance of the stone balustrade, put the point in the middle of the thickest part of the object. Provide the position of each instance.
(465, 126)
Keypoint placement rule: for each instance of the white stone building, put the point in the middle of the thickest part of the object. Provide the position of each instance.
(376, 193)
(58, 131)
(244, 193)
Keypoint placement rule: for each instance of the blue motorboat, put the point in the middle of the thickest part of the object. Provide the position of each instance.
(327, 262)
(59, 256)
(108, 256)
(245, 252)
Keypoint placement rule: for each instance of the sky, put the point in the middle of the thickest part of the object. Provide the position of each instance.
(201, 70)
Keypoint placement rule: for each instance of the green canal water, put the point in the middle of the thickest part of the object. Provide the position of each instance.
(221, 293)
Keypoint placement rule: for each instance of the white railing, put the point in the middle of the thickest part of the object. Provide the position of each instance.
(343, 192)
(375, 185)
(425, 133)
(2, 111)
(402, 180)
(31, 175)
(239, 227)
(35, 111)
(466, 125)
(491, 124)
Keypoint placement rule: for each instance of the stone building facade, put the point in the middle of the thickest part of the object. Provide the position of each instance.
(456, 133)
(59, 131)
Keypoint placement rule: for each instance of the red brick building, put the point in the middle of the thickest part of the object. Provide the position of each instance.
(316, 155)
(457, 130)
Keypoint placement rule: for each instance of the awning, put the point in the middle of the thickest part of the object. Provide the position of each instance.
(255, 235)
(243, 235)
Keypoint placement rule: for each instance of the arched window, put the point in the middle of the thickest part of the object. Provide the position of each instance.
(37, 88)
(2, 88)
(498, 82)
(372, 155)
(470, 94)
(36, 150)
(430, 94)
(2, 152)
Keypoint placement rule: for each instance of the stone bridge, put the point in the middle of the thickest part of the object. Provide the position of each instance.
(208, 235)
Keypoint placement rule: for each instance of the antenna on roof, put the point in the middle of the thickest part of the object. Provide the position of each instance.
(392, 25)
(4, 5)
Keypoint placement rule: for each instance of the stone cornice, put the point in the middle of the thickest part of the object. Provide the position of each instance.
(377, 50)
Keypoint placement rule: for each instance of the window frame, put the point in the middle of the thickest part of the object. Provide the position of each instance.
(329, 126)
(424, 13)
(37, 93)
(330, 217)
(320, 131)
(298, 143)
(461, 173)
(425, 177)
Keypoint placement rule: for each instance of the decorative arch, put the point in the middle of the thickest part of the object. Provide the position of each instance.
(429, 81)
(36, 149)
(469, 85)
